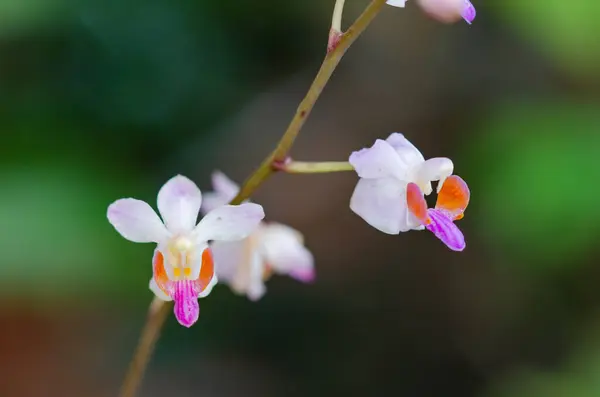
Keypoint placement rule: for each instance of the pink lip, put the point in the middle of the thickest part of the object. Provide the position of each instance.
(186, 307)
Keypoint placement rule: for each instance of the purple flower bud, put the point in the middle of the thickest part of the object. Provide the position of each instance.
(469, 12)
(448, 11)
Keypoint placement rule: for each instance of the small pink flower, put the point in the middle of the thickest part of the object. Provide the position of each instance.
(272, 248)
(451, 204)
(385, 170)
(182, 264)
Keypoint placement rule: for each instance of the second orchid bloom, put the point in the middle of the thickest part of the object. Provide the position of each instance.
(395, 177)
(272, 247)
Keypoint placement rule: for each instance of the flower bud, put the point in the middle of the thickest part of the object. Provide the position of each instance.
(449, 11)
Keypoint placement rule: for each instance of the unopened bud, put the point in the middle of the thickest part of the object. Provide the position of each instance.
(449, 11)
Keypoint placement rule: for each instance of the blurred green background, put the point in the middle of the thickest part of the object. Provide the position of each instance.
(103, 99)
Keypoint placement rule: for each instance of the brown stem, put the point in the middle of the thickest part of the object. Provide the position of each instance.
(157, 314)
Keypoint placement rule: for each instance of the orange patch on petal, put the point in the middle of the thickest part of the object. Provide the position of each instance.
(160, 274)
(207, 271)
(454, 196)
(416, 203)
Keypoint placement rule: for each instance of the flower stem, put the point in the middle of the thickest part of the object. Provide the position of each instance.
(335, 33)
(332, 59)
(157, 314)
(303, 167)
(158, 311)
(336, 19)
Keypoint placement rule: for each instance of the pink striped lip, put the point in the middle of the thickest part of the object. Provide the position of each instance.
(186, 307)
(444, 228)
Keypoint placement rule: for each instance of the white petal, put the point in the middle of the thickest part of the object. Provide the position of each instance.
(256, 286)
(396, 3)
(382, 204)
(435, 169)
(136, 221)
(158, 292)
(224, 191)
(211, 201)
(408, 153)
(240, 265)
(228, 256)
(179, 203)
(284, 250)
(378, 161)
(229, 222)
(224, 186)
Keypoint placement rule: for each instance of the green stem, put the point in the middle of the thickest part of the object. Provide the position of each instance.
(332, 59)
(303, 167)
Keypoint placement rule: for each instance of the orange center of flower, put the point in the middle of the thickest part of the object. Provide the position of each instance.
(180, 255)
(207, 271)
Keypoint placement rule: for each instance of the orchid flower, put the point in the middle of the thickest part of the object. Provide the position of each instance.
(385, 170)
(447, 11)
(272, 248)
(451, 204)
(182, 263)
